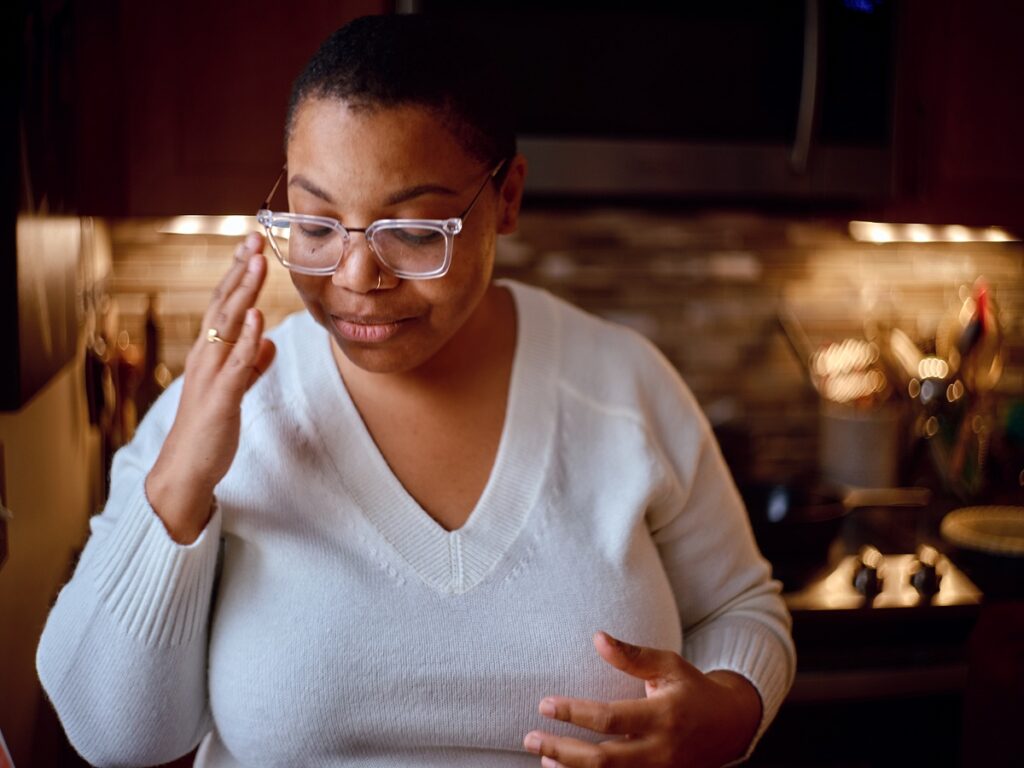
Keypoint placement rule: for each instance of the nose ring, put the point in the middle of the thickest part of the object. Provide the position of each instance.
(378, 282)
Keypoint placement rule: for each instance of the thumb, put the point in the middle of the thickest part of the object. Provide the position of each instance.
(649, 664)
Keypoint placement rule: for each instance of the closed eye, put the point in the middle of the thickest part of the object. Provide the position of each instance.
(417, 236)
(314, 230)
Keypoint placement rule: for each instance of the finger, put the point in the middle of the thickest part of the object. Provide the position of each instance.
(575, 753)
(263, 360)
(232, 277)
(650, 664)
(229, 316)
(201, 345)
(200, 361)
(549, 762)
(240, 365)
(621, 717)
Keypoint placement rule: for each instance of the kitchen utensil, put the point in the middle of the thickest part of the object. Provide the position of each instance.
(795, 523)
(859, 426)
(860, 446)
(797, 338)
(906, 354)
(969, 338)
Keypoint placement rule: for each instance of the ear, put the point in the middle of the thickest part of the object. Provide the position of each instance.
(511, 195)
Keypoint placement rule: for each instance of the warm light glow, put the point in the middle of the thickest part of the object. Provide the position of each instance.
(846, 371)
(958, 234)
(873, 232)
(879, 232)
(849, 355)
(183, 225)
(919, 233)
(932, 368)
(847, 387)
(221, 226)
(163, 375)
(234, 226)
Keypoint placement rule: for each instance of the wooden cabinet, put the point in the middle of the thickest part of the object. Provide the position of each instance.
(179, 108)
(156, 109)
(959, 128)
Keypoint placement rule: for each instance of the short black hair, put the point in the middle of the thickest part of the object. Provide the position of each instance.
(399, 59)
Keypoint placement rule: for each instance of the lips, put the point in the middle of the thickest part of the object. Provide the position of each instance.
(368, 329)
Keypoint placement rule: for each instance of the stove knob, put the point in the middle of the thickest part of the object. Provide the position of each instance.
(924, 572)
(867, 578)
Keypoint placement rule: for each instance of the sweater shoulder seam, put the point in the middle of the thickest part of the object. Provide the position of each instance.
(621, 412)
(606, 409)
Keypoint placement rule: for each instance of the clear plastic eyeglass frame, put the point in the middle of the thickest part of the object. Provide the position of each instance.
(449, 228)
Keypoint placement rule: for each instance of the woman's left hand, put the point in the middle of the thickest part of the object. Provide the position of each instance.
(688, 719)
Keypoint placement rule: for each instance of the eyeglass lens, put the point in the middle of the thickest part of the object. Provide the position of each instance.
(405, 249)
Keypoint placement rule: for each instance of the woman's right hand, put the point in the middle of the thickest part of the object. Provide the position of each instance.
(204, 438)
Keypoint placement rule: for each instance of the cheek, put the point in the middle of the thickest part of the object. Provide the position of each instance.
(309, 289)
(466, 282)
(473, 262)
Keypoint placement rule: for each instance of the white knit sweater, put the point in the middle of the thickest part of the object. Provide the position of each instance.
(348, 628)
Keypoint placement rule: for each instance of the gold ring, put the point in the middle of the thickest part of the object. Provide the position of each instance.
(212, 336)
(378, 282)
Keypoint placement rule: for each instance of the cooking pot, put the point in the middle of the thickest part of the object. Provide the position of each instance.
(795, 523)
(794, 526)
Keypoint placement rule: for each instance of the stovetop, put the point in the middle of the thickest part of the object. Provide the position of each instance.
(871, 580)
(890, 613)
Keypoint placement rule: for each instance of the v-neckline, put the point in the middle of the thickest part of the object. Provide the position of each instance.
(449, 561)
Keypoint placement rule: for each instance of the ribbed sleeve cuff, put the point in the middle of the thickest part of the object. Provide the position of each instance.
(749, 648)
(156, 589)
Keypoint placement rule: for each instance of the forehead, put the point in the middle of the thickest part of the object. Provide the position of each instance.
(338, 144)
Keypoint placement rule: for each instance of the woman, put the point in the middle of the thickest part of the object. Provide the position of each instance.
(439, 505)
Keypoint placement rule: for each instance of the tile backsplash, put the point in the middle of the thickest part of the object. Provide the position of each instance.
(706, 288)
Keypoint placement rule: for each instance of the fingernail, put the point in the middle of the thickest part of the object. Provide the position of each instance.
(252, 242)
(250, 317)
(254, 263)
(532, 742)
(548, 708)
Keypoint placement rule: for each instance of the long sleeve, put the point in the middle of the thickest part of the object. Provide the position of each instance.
(732, 613)
(123, 654)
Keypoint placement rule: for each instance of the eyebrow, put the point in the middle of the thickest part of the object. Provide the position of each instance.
(393, 199)
(301, 181)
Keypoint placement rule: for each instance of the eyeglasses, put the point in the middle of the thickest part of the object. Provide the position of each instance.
(415, 249)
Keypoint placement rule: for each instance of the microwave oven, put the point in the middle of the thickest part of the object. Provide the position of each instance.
(714, 100)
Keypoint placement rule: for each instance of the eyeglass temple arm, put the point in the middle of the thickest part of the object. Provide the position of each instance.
(266, 203)
(491, 175)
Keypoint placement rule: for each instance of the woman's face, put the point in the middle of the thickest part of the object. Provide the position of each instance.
(359, 165)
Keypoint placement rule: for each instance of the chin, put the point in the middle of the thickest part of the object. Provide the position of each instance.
(394, 356)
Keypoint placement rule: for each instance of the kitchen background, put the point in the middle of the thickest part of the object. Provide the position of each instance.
(146, 138)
